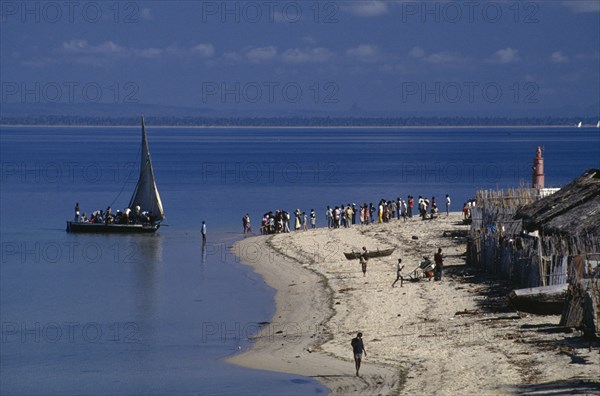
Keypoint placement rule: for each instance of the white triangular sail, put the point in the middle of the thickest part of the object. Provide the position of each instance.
(146, 194)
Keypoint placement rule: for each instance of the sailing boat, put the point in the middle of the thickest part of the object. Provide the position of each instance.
(598, 124)
(580, 124)
(149, 213)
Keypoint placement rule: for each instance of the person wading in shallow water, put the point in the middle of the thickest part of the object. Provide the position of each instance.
(364, 257)
(358, 348)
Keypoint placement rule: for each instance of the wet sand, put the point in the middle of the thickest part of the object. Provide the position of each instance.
(457, 336)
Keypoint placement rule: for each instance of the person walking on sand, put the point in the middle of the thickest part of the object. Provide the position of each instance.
(364, 257)
(399, 268)
(203, 230)
(439, 264)
(358, 348)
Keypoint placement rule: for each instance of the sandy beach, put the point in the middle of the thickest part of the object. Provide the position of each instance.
(456, 336)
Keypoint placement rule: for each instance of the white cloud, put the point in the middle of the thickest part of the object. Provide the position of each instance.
(585, 6)
(309, 40)
(588, 56)
(83, 47)
(559, 57)
(307, 55)
(504, 56)
(75, 45)
(393, 68)
(39, 62)
(204, 50)
(232, 56)
(288, 14)
(364, 53)
(444, 57)
(371, 8)
(149, 52)
(146, 14)
(108, 52)
(437, 58)
(262, 54)
(417, 52)
(270, 54)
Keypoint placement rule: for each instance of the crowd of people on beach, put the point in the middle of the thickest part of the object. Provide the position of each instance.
(127, 216)
(280, 221)
(347, 215)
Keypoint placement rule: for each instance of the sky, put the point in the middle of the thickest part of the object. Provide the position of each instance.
(493, 58)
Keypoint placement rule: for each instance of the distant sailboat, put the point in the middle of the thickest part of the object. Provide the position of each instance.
(598, 124)
(580, 124)
(145, 196)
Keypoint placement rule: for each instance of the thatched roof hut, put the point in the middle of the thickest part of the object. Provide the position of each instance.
(571, 215)
(568, 222)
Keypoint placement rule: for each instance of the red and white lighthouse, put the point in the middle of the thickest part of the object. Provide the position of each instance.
(537, 180)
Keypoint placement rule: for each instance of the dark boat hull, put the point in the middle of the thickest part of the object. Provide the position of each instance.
(545, 300)
(371, 254)
(100, 228)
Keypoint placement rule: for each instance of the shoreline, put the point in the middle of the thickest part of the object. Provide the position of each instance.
(303, 330)
(448, 337)
(302, 127)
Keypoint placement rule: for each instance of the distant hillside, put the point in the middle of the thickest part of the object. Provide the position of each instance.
(128, 114)
(293, 121)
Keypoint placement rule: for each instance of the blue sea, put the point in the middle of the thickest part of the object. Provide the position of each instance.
(158, 314)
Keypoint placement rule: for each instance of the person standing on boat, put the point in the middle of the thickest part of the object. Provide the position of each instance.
(77, 212)
(127, 214)
(203, 230)
(364, 257)
(108, 218)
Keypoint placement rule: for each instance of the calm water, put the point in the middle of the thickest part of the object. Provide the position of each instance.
(155, 314)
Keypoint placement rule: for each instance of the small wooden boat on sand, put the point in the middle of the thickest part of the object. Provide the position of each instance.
(544, 300)
(371, 253)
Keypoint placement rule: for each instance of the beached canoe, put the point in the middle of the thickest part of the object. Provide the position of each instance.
(544, 300)
(371, 253)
